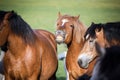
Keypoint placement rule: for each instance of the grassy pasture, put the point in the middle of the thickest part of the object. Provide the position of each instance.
(43, 14)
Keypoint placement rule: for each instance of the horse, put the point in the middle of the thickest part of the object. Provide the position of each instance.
(108, 65)
(106, 35)
(70, 30)
(28, 52)
(1, 65)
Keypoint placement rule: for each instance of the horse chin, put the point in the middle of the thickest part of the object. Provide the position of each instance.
(59, 39)
(59, 42)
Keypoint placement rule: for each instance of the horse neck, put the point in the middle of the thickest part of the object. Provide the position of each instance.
(16, 45)
(75, 47)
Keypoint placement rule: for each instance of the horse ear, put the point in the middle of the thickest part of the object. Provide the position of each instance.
(7, 15)
(77, 17)
(99, 32)
(93, 23)
(12, 11)
(59, 14)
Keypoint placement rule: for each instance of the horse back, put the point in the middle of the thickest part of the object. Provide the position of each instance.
(49, 36)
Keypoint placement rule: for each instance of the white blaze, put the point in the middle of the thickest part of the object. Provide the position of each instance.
(87, 36)
(64, 21)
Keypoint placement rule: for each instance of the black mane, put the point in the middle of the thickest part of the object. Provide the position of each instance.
(19, 26)
(92, 28)
(111, 30)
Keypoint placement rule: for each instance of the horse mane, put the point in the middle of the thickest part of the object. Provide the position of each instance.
(112, 31)
(79, 28)
(91, 30)
(20, 28)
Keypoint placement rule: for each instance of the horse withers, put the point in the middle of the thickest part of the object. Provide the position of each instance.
(29, 52)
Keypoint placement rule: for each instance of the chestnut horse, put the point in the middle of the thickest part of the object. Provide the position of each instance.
(29, 52)
(71, 32)
(106, 35)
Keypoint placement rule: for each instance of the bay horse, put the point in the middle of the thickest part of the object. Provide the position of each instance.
(71, 31)
(108, 64)
(29, 52)
(106, 35)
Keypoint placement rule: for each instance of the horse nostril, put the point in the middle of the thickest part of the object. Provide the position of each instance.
(59, 32)
(83, 63)
(80, 62)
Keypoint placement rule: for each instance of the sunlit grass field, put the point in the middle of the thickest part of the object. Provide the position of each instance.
(42, 14)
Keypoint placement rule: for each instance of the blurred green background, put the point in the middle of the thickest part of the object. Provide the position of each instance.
(42, 14)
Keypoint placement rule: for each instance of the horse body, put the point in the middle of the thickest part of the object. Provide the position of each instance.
(108, 65)
(27, 57)
(70, 31)
(49, 58)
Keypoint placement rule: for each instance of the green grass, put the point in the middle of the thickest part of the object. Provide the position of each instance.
(43, 14)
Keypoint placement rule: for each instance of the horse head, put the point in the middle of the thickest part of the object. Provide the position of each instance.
(105, 35)
(88, 52)
(68, 29)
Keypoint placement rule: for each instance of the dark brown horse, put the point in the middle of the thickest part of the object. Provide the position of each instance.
(71, 32)
(107, 66)
(30, 54)
(106, 35)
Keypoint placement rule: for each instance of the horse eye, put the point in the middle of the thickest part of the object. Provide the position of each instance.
(57, 24)
(71, 25)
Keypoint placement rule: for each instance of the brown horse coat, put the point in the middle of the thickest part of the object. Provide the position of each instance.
(29, 53)
(71, 32)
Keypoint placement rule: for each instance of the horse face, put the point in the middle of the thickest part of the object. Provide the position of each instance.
(64, 29)
(88, 52)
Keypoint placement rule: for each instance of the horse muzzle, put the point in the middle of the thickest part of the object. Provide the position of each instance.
(60, 36)
(83, 64)
(84, 60)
